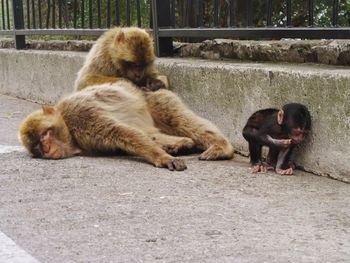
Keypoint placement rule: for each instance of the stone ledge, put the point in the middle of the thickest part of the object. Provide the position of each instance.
(66, 45)
(336, 52)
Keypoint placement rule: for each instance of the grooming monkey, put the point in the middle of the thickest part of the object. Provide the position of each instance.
(101, 119)
(280, 130)
(121, 53)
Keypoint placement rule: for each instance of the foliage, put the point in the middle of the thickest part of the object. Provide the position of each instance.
(70, 13)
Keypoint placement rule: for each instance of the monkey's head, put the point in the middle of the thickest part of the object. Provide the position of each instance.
(132, 52)
(45, 135)
(295, 119)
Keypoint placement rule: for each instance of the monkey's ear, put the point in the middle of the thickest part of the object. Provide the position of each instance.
(149, 32)
(120, 37)
(280, 116)
(48, 109)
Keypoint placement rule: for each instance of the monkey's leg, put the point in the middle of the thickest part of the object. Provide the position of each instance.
(173, 144)
(272, 158)
(113, 136)
(282, 162)
(172, 117)
(255, 157)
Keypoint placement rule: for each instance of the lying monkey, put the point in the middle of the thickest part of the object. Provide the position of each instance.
(280, 130)
(109, 117)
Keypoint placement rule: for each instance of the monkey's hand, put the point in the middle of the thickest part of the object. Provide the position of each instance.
(180, 146)
(283, 143)
(173, 164)
(288, 171)
(154, 84)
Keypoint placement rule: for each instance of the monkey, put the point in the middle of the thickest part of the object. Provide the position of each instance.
(280, 130)
(101, 119)
(108, 117)
(118, 54)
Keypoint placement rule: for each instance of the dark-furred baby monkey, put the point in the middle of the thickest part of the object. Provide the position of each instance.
(280, 130)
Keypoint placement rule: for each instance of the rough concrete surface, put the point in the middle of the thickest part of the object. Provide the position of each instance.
(332, 52)
(120, 209)
(226, 92)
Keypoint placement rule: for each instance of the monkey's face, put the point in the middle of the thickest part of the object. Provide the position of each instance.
(133, 71)
(45, 135)
(297, 135)
(133, 53)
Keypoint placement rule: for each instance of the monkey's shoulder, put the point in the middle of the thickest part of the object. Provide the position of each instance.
(262, 116)
(265, 112)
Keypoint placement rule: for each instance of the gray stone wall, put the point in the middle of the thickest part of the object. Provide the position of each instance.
(332, 52)
(225, 92)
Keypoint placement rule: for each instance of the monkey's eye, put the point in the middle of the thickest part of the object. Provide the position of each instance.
(130, 64)
(298, 132)
(37, 151)
(46, 133)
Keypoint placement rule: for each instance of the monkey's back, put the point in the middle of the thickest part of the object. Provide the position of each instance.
(88, 112)
(258, 118)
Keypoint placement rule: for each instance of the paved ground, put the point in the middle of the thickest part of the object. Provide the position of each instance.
(120, 209)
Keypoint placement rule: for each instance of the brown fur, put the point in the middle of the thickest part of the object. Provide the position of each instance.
(115, 54)
(101, 119)
(169, 113)
(173, 117)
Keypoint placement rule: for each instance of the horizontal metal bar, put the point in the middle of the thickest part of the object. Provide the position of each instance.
(77, 32)
(253, 33)
(7, 32)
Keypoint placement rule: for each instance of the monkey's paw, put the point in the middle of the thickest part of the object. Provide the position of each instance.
(216, 152)
(176, 164)
(154, 84)
(259, 168)
(180, 147)
(173, 164)
(288, 171)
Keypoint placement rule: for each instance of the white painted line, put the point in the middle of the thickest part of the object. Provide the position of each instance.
(8, 149)
(11, 253)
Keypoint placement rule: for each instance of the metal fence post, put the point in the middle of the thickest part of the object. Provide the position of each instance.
(161, 18)
(18, 19)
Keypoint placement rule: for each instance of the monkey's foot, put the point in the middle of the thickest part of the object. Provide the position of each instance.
(173, 164)
(216, 152)
(288, 171)
(259, 168)
(180, 146)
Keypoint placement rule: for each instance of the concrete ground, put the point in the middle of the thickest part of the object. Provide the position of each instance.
(120, 209)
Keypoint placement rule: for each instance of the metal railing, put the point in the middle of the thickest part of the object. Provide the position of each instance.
(248, 19)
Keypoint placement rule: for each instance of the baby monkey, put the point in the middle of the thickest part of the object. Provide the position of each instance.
(280, 130)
